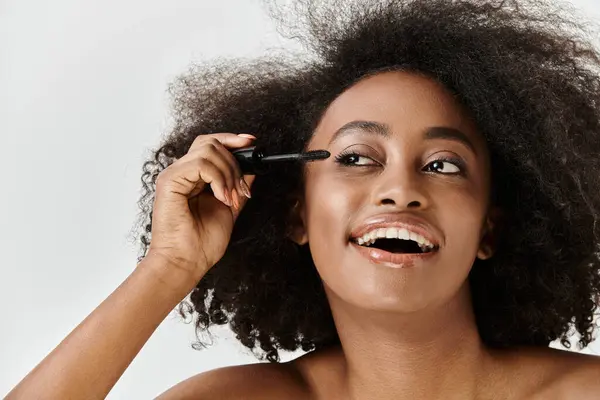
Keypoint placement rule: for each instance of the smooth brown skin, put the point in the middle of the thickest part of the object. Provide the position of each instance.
(405, 334)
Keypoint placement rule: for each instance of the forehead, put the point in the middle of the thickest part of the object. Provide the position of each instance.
(407, 102)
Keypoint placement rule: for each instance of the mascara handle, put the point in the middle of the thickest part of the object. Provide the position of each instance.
(249, 160)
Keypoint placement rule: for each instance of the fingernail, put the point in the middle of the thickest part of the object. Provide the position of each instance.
(235, 195)
(245, 188)
(245, 135)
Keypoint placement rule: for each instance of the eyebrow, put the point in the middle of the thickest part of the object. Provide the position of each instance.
(381, 129)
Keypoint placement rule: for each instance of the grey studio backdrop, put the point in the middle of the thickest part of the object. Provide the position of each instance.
(83, 97)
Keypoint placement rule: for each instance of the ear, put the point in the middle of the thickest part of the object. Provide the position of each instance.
(490, 233)
(297, 227)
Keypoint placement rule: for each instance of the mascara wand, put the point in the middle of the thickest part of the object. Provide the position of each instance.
(253, 161)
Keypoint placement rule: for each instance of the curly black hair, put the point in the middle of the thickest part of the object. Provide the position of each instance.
(527, 72)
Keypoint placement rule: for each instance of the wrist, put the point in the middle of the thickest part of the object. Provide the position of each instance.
(170, 273)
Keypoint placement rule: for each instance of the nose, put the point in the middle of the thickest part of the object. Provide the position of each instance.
(400, 187)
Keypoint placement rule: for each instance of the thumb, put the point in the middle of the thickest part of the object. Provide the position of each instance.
(249, 179)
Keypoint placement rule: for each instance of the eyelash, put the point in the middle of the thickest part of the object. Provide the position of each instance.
(343, 157)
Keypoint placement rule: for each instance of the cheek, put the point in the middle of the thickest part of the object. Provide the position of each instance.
(462, 219)
(329, 203)
(328, 209)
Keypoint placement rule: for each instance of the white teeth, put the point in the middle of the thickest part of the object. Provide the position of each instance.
(403, 234)
(394, 233)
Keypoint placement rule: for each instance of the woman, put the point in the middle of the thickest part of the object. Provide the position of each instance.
(449, 238)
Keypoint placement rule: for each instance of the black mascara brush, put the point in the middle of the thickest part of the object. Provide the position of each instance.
(254, 161)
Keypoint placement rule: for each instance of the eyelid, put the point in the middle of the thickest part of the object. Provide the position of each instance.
(346, 153)
(455, 160)
(448, 156)
(359, 144)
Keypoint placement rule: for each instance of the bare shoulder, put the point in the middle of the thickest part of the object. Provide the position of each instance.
(558, 374)
(253, 381)
(579, 376)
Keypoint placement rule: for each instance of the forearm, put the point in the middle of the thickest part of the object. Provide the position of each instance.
(91, 359)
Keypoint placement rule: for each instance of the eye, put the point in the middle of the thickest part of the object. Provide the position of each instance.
(444, 165)
(354, 158)
(447, 166)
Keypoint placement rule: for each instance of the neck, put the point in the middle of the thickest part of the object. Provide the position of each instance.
(433, 353)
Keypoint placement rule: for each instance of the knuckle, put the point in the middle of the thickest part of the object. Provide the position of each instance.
(212, 142)
(161, 178)
(203, 141)
(202, 163)
(207, 148)
(197, 142)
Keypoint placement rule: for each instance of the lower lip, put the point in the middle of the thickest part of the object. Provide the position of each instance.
(393, 260)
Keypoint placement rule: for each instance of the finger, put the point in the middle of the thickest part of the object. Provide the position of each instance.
(214, 176)
(211, 143)
(229, 140)
(235, 171)
(248, 180)
(190, 177)
(217, 154)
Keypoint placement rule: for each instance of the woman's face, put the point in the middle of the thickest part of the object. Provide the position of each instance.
(390, 170)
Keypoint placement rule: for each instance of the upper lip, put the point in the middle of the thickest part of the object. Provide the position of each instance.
(408, 222)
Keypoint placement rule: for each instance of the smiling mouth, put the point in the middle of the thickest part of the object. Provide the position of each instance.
(398, 246)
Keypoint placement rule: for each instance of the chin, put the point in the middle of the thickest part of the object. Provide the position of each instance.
(377, 292)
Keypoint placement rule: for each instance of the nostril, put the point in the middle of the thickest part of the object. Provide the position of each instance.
(414, 203)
